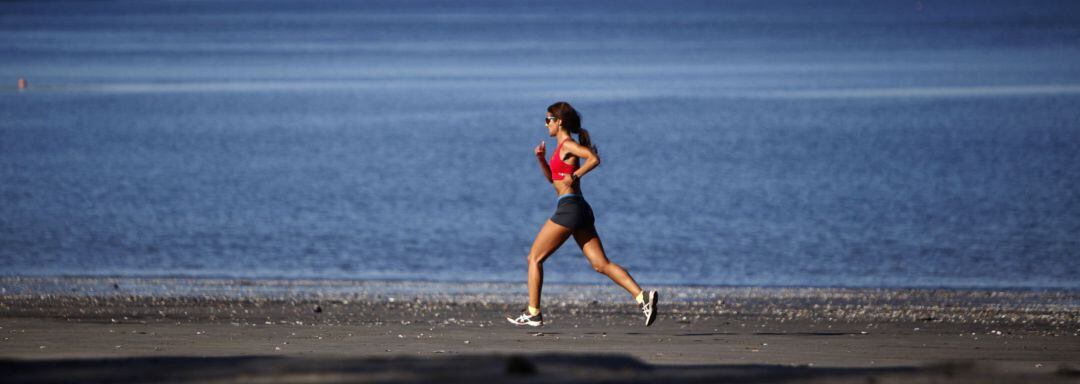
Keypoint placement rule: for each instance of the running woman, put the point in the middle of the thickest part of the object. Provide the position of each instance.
(573, 216)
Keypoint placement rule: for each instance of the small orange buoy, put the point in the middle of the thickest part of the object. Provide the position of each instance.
(22, 83)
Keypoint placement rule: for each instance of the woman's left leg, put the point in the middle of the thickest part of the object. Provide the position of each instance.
(589, 241)
(550, 238)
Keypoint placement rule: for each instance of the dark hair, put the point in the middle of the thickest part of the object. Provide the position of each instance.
(571, 120)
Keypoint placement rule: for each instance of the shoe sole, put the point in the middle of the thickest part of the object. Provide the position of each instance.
(654, 298)
(530, 323)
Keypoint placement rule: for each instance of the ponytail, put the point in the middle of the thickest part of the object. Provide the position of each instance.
(583, 139)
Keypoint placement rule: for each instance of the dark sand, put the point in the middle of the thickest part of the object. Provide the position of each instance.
(750, 335)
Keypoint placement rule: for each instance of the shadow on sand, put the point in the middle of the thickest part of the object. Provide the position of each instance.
(541, 368)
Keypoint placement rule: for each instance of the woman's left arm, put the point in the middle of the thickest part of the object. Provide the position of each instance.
(592, 159)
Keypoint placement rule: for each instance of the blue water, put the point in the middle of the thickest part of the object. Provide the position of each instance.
(787, 143)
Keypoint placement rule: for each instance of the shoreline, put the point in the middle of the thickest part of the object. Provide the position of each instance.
(54, 281)
(1059, 308)
(359, 288)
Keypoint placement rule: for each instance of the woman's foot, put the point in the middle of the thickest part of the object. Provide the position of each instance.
(648, 307)
(525, 319)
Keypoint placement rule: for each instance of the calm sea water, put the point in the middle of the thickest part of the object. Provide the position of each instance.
(787, 143)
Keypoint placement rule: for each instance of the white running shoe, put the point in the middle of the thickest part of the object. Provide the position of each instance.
(649, 307)
(525, 319)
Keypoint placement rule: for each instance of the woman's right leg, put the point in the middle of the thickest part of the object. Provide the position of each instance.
(549, 239)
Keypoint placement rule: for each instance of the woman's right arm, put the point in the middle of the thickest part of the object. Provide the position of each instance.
(541, 154)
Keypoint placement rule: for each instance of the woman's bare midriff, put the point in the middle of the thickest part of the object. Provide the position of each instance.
(563, 191)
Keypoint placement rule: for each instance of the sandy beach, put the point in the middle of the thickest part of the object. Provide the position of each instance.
(757, 334)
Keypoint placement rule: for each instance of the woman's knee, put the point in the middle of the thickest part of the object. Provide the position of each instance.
(601, 267)
(535, 259)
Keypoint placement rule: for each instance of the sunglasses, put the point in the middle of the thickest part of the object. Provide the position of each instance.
(549, 119)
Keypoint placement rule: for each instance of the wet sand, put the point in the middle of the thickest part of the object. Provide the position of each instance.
(755, 335)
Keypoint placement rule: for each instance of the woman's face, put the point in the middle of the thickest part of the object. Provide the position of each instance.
(552, 124)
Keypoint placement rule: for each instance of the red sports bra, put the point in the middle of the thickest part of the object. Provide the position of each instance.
(560, 169)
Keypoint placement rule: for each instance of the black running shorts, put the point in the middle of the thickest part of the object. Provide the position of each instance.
(573, 212)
